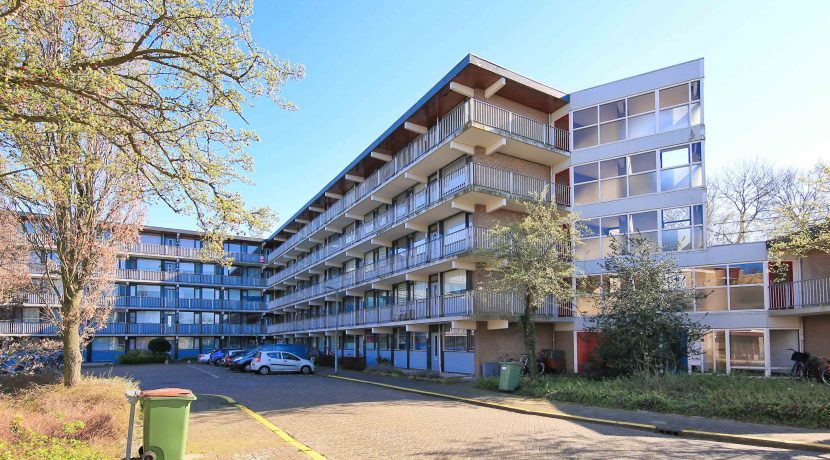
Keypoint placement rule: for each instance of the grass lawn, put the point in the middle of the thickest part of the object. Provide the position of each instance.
(40, 419)
(781, 401)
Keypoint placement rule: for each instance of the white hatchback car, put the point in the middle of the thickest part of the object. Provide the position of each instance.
(265, 362)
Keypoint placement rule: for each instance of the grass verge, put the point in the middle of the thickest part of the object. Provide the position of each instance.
(779, 401)
(49, 421)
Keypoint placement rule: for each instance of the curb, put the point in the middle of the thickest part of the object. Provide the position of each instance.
(308, 451)
(749, 440)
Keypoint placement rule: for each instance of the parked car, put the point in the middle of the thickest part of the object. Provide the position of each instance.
(203, 358)
(243, 361)
(216, 355)
(228, 358)
(265, 362)
(295, 348)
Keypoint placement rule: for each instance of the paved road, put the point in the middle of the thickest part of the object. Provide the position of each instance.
(344, 420)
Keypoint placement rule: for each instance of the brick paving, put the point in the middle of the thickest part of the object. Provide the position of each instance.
(346, 420)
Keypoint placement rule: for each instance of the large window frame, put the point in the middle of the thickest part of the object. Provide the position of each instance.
(614, 178)
(657, 111)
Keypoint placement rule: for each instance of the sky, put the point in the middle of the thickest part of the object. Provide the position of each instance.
(767, 86)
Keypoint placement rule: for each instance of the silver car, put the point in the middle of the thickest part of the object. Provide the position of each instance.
(265, 362)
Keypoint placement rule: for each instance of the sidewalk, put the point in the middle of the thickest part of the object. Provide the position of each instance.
(667, 422)
(220, 430)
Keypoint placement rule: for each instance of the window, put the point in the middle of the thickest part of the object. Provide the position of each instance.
(586, 188)
(455, 340)
(402, 340)
(108, 344)
(455, 281)
(419, 340)
(149, 239)
(383, 341)
(730, 287)
(746, 349)
(145, 290)
(148, 264)
(290, 357)
(682, 231)
(187, 343)
(637, 116)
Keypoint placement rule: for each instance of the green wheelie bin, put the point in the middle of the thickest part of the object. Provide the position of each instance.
(166, 413)
(509, 374)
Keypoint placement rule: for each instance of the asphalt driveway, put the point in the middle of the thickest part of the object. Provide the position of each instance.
(345, 420)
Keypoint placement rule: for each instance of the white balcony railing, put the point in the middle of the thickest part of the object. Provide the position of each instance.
(800, 294)
(469, 111)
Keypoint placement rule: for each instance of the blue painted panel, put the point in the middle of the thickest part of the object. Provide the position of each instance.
(188, 353)
(386, 354)
(371, 357)
(105, 356)
(417, 359)
(459, 361)
(400, 358)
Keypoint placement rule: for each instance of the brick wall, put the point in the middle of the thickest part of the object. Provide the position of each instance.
(564, 340)
(815, 265)
(491, 345)
(484, 219)
(817, 334)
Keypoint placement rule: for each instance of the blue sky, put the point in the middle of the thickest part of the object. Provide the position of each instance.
(767, 73)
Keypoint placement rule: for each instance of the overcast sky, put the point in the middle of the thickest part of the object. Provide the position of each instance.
(767, 73)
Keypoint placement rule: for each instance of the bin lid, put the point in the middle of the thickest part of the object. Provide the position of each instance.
(165, 393)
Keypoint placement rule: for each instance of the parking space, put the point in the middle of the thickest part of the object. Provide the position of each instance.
(345, 420)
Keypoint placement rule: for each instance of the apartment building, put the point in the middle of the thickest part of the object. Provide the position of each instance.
(384, 261)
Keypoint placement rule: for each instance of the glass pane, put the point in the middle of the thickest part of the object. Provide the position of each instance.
(612, 110)
(746, 348)
(710, 276)
(644, 162)
(752, 273)
(608, 244)
(677, 217)
(697, 214)
(644, 221)
(677, 240)
(589, 250)
(746, 298)
(641, 103)
(612, 132)
(585, 173)
(695, 90)
(641, 184)
(697, 176)
(674, 179)
(674, 95)
(699, 241)
(612, 168)
(715, 300)
(674, 157)
(586, 193)
(675, 118)
(585, 137)
(697, 153)
(613, 189)
(585, 117)
(455, 281)
(695, 117)
(650, 236)
(614, 225)
(589, 228)
(642, 125)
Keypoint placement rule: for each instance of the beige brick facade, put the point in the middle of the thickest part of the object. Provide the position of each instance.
(817, 334)
(513, 164)
(491, 345)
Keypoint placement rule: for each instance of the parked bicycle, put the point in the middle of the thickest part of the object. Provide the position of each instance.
(525, 362)
(809, 366)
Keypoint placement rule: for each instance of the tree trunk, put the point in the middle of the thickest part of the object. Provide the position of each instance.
(528, 321)
(72, 358)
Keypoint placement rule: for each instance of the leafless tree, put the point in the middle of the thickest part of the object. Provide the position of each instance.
(741, 200)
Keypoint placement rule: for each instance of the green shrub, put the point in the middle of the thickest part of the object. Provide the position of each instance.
(324, 361)
(352, 363)
(159, 345)
(781, 401)
(27, 444)
(142, 357)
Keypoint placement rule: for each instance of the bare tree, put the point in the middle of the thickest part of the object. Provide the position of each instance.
(740, 199)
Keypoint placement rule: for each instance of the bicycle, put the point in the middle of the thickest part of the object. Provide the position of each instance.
(809, 366)
(524, 361)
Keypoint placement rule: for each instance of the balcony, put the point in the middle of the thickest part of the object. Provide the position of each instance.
(186, 253)
(528, 139)
(463, 305)
(19, 328)
(800, 297)
(472, 177)
(188, 304)
(446, 247)
(188, 278)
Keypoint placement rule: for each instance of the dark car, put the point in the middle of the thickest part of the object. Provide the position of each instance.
(216, 355)
(243, 360)
(228, 358)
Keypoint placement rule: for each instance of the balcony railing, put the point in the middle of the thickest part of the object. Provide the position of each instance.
(467, 304)
(471, 110)
(799, 294)
(189, 304)
(187, 253)
(188, 278)
(471, 175)
(21, 328)
(431, 251)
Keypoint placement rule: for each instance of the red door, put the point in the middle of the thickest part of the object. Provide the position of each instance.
(586, 342)
(781, 286)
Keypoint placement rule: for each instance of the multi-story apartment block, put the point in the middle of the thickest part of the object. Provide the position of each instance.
(384, 260)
